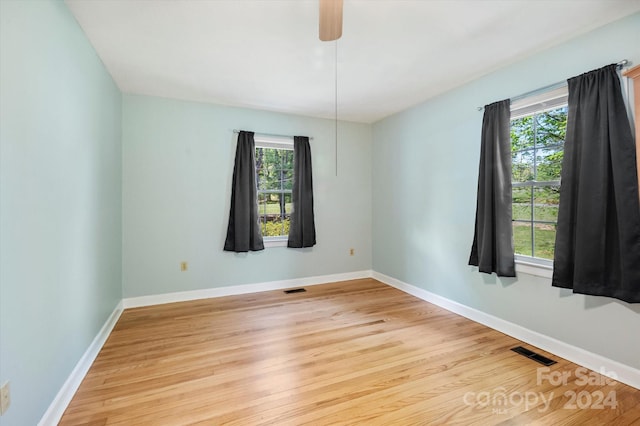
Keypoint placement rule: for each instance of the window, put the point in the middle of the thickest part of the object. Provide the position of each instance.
(538, 127)
(274, 171)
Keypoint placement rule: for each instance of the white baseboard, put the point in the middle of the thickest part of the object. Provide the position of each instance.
(623, 373)
(56, 409)
(183, 296)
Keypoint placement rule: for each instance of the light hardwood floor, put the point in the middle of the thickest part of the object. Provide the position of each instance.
(355, 352)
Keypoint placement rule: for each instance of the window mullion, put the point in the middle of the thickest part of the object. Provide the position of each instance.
(533, 187)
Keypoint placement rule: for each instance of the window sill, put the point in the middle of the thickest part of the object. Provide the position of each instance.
(532, 268)
(275, 242)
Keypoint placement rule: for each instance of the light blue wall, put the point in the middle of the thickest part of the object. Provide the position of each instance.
(66, 181)
(60, 201)
(177, 168)
(425, 163)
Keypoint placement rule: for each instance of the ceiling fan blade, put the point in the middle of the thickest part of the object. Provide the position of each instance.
(330, 20)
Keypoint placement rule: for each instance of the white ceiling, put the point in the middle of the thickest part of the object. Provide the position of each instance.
(266, 53)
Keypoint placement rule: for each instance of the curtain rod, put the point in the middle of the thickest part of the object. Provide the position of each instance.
(557, 85)
(274, 135)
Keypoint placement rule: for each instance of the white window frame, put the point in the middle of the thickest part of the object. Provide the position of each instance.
(537, 103)
(274, 142)
(534, 266)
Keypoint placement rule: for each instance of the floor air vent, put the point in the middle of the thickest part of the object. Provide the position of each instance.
(295, 290)
(534, 356)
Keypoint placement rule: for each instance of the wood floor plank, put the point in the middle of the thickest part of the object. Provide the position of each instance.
(354, 352)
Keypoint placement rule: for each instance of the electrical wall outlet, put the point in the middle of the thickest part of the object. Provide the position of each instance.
(5, 398)
(183, 266)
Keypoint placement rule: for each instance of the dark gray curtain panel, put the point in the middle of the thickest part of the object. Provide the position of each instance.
(302, 231)
(243, 232)
(492, 249)
(598, 236)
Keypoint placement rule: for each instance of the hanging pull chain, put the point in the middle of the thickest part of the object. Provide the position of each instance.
(336, 103)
